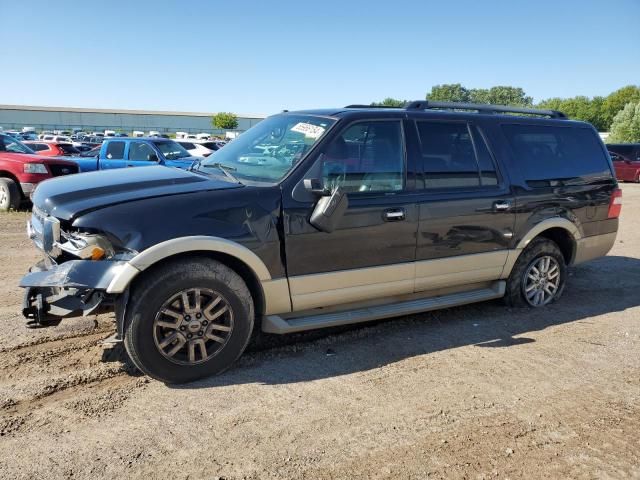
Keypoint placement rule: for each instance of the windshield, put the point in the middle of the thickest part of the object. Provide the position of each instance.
(266, 152)
(171, 150)
(10, 144)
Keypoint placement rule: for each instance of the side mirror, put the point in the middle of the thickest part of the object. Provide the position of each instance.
(329, 210)
(315, 186)
(152, 157)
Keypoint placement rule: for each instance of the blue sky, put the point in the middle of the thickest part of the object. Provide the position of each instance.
(265, 56)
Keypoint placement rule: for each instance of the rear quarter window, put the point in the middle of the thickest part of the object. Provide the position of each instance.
(115, 151)
(545, 152)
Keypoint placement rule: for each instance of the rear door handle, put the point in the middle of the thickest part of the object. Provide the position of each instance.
(501, 206)
(394, 215)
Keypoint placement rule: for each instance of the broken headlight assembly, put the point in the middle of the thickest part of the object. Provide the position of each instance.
(91, 246)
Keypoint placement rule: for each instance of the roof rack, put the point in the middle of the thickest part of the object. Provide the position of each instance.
(370, 106)
(481, 108)
(478, 107)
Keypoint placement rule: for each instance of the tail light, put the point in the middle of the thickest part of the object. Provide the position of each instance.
(615, 204)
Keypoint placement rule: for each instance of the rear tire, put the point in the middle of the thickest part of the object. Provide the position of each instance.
(10, 196)
(188, 319)
(529, 284)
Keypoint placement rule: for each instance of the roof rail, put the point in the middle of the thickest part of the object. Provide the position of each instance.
(370, 106)
(481, 108)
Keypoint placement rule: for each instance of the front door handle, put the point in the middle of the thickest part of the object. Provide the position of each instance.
(501, 206)
(394, 215)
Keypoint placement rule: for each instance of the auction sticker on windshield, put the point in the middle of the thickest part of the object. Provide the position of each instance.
(308, 129)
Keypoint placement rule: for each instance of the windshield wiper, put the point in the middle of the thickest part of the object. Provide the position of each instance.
(226, 169)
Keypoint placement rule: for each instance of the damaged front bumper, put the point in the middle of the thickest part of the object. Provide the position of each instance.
(71, 289)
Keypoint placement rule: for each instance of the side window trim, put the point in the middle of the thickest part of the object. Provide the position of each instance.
(496, 167)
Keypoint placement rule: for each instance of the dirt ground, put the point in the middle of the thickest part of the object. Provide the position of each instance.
(473, 392)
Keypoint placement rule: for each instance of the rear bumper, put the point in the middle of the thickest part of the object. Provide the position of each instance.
(71, 289)
(589, 248)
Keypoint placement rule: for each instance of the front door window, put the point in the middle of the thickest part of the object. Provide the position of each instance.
(366, 157)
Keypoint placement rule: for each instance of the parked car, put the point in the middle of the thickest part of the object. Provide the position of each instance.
(26, 136)
(54, 138)
(323, 218)
(21, 170)
(626, 161)
(197, 148)
(91, 140)
(53, 149)
(136, 152)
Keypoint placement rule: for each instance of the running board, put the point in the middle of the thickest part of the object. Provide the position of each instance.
(279, 325)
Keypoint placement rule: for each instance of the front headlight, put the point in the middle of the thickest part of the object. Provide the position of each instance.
(87, 246)
(35, 168)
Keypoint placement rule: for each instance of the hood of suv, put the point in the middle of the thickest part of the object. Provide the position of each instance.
(70, 196)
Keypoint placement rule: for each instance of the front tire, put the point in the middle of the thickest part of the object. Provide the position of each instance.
(10, 197)
(538, 277)
(187, 320)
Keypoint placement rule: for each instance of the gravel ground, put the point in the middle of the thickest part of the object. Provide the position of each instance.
(474, 392)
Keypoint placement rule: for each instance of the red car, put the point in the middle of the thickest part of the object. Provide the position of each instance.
(626, 161)
(21, 170)
(627, 169)
(52, 149)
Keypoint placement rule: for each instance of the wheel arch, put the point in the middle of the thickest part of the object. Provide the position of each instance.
(563, 232)
(11, 176)
(237, 257)
(560, 230)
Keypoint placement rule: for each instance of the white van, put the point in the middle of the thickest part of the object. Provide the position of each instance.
(138, 133)
(181, 134)
(109, 133)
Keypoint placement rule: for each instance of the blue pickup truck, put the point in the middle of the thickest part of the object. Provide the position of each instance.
(136, 152)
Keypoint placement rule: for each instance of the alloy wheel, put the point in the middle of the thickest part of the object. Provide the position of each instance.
(541, 281)
(193, 326)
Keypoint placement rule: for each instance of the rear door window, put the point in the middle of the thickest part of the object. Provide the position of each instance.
(544, 152)
(115, 151)
(454, 155)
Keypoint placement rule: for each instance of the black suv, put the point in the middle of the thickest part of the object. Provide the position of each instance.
(321, 218)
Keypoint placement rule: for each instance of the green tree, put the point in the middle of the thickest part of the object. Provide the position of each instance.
(579, 108)
(449, 92)
(617, 100)
(501, 95)
(626, 124)
(390, 102)
(225, 121)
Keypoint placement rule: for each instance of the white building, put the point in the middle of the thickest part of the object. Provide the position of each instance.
(15, 117)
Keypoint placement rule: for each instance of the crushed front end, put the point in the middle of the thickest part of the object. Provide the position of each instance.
(74, 276)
